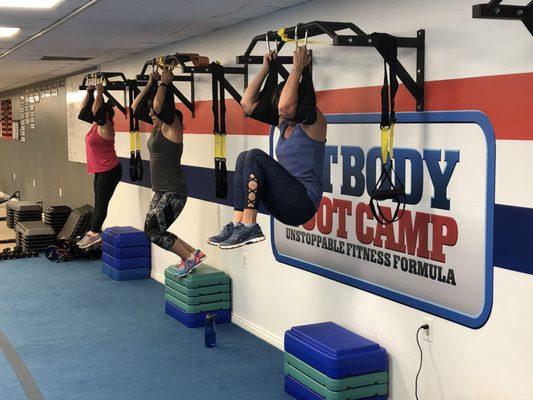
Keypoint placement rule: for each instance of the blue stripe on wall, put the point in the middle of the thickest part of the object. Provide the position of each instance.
(513, 226)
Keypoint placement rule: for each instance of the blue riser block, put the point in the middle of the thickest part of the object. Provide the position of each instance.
(335, 351)
(127, 274)
(124, 236)
(126, 252)
(300, 392)
(196, 320)
(127, 263)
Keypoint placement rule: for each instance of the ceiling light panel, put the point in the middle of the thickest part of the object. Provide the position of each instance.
(42, 4)
(6, 32)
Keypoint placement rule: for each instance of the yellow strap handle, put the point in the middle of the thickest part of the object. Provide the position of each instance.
(391, 140)
(217, 145)
(137, 141)
(223, 146)
(132, 141)
(387, 143)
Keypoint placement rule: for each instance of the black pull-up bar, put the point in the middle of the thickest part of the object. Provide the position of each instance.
(495, 10)
(110, 85)
(357, 38)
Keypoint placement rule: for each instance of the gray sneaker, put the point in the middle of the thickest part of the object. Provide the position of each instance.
(90, 241)
(242, 235)
(224, 234)
(82, 241)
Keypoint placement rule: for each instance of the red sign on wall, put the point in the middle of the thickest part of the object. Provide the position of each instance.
(6, 116)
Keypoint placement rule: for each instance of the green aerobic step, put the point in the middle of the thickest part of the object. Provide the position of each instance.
(202, 276)
(193, 301)
(219, 305)
(335, 385)
(350, 394)
(201, 291)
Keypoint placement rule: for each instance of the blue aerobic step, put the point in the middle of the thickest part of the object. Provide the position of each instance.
(301, 392)
(198, 319)
(124, 236)
(335, 351)
(126, 263)
(126, 274)
(126, 252)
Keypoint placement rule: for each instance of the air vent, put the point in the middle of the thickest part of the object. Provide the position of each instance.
(61, 58)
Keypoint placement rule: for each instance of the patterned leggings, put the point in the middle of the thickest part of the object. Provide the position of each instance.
(164, 210)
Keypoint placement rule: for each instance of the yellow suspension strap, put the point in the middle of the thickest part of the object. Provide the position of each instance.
(216, 125)
(133, 175)
(219, 130)
(389, 185)
(139, 170)
(284, 37)
(222, 192)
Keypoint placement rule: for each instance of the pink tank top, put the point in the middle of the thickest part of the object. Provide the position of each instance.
(101, 155)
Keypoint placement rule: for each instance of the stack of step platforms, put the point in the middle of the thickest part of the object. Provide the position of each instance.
(326, 361)
(34, 235)
(56, 217)
(77, 224)
(125, 253)
(204, 291)
(22, 211)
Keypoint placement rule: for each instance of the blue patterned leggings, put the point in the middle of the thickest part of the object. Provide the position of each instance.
(164, 210)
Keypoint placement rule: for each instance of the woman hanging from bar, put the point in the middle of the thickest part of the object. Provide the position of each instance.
(168, 182)
(291, 187)
(102, 159)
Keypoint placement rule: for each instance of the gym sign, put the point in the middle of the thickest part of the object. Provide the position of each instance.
(438, 257)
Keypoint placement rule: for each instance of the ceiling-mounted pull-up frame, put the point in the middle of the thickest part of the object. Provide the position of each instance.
(495, 10)
(358, 38)
(106, 79)
(170, 62)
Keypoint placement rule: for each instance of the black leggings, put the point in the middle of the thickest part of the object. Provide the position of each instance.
(282, 194)
(104, 187)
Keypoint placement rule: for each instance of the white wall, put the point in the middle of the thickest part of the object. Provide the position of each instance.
(493, 362)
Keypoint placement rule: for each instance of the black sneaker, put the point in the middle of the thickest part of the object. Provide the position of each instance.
(224, 234)
(242, 235)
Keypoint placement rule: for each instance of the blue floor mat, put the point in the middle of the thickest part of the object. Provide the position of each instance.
(85, 336)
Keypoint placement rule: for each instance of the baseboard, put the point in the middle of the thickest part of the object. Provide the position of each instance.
(158, 277)
(257, 331)
(241, 322)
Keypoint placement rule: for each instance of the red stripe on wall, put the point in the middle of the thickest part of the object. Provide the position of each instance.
(506, 99)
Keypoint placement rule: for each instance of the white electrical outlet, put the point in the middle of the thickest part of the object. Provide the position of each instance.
(244, 260)
(428, 334)
(34, 183)
(60, 192)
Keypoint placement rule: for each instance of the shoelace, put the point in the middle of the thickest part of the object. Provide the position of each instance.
(238, 228)
(227, 228)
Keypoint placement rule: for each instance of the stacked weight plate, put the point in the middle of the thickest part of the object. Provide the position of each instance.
(326, 361)
(56, 217)
(126, 253)
(204, 291)
(21, 211)
(34, 235)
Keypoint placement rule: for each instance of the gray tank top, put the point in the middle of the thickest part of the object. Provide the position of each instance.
(303, 157)
(165, 164)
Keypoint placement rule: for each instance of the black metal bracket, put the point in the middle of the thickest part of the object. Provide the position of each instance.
(107, 79)
(358, 38)
(494, 10)
(209, 69)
